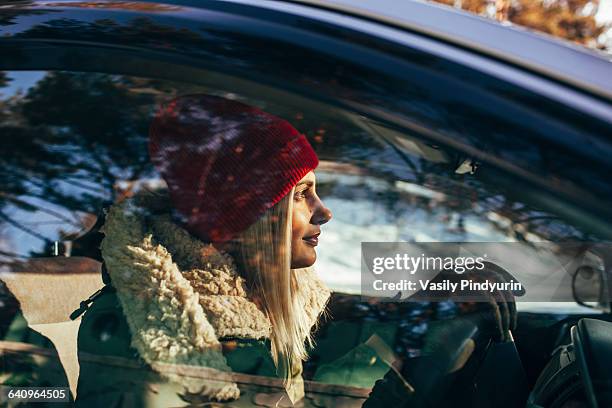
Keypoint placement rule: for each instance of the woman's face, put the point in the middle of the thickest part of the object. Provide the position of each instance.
(308, 215)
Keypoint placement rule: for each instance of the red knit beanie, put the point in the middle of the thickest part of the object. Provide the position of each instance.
(225, 163)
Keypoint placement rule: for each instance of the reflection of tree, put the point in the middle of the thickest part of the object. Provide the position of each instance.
(93, 114)
(67, 143)
(9, 15)
(573, 20)
(4, 80)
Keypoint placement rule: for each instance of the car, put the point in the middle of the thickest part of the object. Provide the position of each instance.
(431, 125)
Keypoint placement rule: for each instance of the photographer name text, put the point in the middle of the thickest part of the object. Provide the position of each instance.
(446, 285)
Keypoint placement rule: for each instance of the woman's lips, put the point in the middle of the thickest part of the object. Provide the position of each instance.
(312, 240)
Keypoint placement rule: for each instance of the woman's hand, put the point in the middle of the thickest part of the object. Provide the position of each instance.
(497, 306)
(495, 312)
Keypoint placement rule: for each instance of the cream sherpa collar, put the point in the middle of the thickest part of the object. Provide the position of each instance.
(179, 295)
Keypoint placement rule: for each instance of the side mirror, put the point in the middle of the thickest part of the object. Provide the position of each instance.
(590, 286)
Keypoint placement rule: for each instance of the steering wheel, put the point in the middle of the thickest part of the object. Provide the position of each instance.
(592, 341)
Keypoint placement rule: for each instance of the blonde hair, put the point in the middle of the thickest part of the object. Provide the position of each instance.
(265, 253)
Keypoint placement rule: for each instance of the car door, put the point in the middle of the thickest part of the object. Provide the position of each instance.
(419, 141)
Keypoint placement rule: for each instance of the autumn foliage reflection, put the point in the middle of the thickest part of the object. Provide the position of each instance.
(572, 20)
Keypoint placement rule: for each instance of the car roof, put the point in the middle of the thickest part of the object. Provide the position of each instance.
(558, 59)
(550, 57)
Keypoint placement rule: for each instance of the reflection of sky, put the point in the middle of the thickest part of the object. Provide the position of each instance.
(20, 80)
(13, 239)
(43, 224)
(21, 23)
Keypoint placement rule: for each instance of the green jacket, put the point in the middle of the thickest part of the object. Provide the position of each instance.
(113, 374)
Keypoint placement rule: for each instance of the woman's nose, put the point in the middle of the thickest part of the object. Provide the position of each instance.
(322, 214)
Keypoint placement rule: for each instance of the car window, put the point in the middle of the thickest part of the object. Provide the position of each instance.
(66, 163)
(108, 284)
(74, 143)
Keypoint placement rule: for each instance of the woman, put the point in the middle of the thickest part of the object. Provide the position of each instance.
(214, 272)
(212, 279)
